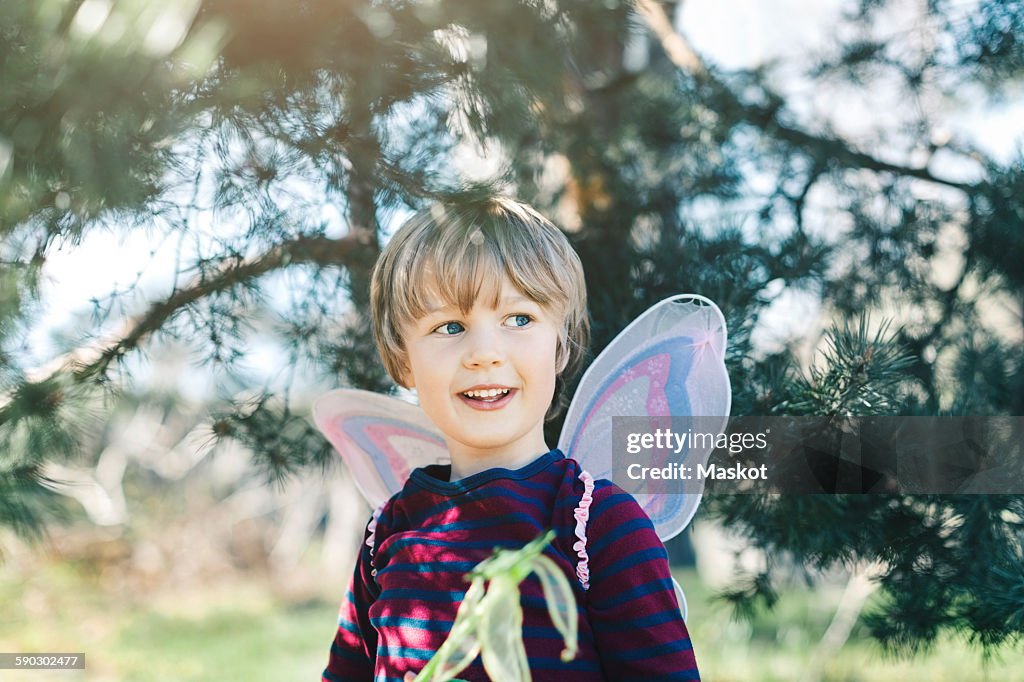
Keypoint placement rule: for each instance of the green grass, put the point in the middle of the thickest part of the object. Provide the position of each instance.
(776, 646)
(236, 631)
(232, 642)
(225, 633)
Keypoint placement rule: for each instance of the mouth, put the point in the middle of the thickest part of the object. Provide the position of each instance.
(487, 397)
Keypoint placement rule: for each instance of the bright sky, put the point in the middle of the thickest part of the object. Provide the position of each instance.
(731, 33)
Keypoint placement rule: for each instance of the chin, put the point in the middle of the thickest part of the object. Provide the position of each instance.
(490, 444)
(485, 446)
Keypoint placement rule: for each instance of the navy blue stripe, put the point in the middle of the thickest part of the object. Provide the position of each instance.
(643, 622)
(616, 534)
(417, 623)
(405, 652)
(539, 603)
(460, 567)
(446, 504)
(347, 653)
(550, 484)
(420, 594)
(641, 590)
(348, 626)
(490, 522)
(542, 663)
(681, 676)
(537, 504)
(430, 625)
(404, 542)
(656, 650)
(634, 559)
(534, 525)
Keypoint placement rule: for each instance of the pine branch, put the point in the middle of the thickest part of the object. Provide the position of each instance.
(26, 497)
(766, 118)
(862, 373)
(346, 252)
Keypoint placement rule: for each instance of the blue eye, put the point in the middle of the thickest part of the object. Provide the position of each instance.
(520, 320)
(450, 328)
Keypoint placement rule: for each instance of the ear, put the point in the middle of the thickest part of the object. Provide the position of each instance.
(405, 377)
(561, 355)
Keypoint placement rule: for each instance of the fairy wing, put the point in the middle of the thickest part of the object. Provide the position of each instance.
(668, 363)
(381, 439)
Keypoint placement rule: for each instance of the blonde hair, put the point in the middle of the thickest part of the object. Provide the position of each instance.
(458, 251)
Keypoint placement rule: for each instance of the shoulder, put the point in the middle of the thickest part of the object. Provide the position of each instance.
(402, 503)
(613, 501)
(603, 495)
(381, 521)
(608, 512)
(617, 519)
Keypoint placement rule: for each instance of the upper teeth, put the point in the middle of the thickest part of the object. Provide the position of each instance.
(486, 392)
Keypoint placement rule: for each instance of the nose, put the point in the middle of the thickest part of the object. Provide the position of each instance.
(483, 349)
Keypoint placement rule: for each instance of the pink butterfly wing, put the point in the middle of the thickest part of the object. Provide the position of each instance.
(381, 439)
(668, 363)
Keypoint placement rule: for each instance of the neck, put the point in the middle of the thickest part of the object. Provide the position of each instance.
(465, 464)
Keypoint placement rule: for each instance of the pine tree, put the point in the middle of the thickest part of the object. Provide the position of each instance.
(672, 176)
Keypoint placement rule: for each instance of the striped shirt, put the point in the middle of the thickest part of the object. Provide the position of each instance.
(409, 578)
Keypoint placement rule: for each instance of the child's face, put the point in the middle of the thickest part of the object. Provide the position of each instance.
(457, 361)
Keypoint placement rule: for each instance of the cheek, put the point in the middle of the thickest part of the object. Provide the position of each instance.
(418, 363)
(551, 366)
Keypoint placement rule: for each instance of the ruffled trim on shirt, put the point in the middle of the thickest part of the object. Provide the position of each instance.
(371, 528)
(582, 514)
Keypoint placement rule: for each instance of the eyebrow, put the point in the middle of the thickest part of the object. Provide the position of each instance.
(515, 300)
(505, 302)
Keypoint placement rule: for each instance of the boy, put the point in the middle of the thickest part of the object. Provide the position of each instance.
(481, 309)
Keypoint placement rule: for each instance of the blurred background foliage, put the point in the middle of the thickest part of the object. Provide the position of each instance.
(276, 144)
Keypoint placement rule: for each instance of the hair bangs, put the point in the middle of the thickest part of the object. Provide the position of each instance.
(465, 272)
(461, 267)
